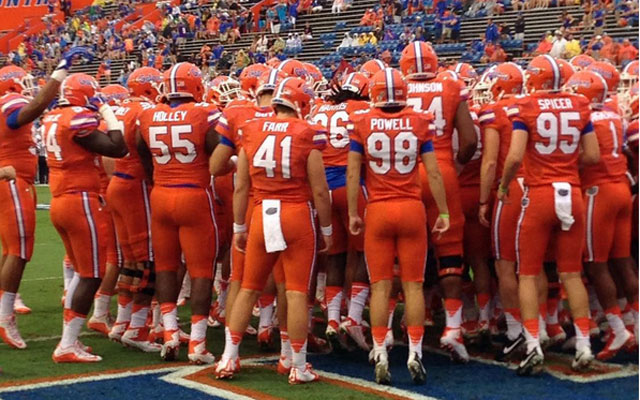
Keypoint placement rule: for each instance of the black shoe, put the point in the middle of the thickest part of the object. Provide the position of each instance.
(531, 364)
(509, 348)
(416, 369)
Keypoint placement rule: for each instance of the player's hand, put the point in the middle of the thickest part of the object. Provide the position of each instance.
(441, 226)
(328, 242)
(97, 101)
(8, 173)
(483, 210)
(240, 241)
(356, 225)
(74, 53)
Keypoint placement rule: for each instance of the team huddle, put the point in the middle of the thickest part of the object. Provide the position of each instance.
(278, 191)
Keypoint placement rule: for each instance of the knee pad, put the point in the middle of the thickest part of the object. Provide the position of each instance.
(450, 266)
(147, 282)
(126, 279)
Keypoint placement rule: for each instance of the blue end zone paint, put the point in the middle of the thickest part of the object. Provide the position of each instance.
(143, 387)
(478, 381)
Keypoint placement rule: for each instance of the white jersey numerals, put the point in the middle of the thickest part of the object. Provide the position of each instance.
(265, 156)
(183, 149)
(434, 108)
(558, 131)
(338, 135)
(614, 136)
(401, 154)
(53, 148)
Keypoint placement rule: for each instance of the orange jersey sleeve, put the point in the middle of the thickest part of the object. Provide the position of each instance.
(555, 123)
(72, 168)
(130, 166)
(17, 147)
(334, 118)
(277, 151)
(613, 164)
(233, 117)
(391, 145)
(440, 97)
(176, 137)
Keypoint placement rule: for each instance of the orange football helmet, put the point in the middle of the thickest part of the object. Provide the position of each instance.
(581, 62)
(628, 102)
(17, 80)
(388, 88)
(357, 83)
(566, 69)
(249, 78)
(588, 84)
(183, 80)
(317, 81)
(294, 93)
(543, 74)
(273, 62)
(466, 72)
(77, 89)
(293, 68)
(481, 91)
(371, 67)
(628, 76)
(222, 90)
(269, 80)
(447, 74)
(145, 82)
(505, 80)
(608, 72)
(419, 61)
(115, 94)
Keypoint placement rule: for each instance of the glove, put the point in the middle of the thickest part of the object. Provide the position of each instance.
(67, 60)
(97, 101)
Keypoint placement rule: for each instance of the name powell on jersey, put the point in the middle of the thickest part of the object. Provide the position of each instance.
(387, 124)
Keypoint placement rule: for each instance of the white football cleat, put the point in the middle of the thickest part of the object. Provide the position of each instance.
(416, 369)
(298, 376)
(9, 333)
(225, 369)
(355, 332)
(582, 359)
(452, 341)
(19, 307)
(139, 338)
(382, 374)
(117, 330)
(171, 347)
(100, 324)
(198, 353)
(73, 354)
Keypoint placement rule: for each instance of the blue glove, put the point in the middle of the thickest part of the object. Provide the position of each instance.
(73, 53)
(97, 101)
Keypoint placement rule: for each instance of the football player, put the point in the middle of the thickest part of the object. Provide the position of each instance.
(549, 128)
(281, 161)
(178, 135)
(78, 212)
(446, 99)
(388, 140)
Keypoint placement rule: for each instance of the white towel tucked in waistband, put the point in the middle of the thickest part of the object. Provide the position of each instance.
(562, 200)
(271, 227)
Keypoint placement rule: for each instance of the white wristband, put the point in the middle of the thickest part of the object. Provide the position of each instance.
(59, 74)
(109, 117)
(327, 230)
(239, 228)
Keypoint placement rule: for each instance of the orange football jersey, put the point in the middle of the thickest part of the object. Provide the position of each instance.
(176, 137)
(612, 167)
(555, 122)
(440, 97)
(130, 165)
(470, 174)
(277, 150)
(496, 116)
(235, 116)
(17, 146)
(391, 145)
(334, 118)
(72, 168)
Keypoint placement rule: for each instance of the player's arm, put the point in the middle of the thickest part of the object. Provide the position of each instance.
(518, 146)
(7, 173)
(354, 165)
(146, 158)
(211, 140)
(110, 144)
(240, 201)
(45, 96)
(468, 141)
(491, 147)
(437, 187)
(590, 153)
(109, 165)
(320, 192)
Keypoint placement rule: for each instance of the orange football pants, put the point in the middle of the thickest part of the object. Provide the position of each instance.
(17, 218)
(608, 222)
(477, 240)
(223, 195)
(343, 240)
(504, 223)
(450, 244)
(183, 222)
(539, 228)
(297, 260)
(130, 206)
(82, 221)
(396, 227)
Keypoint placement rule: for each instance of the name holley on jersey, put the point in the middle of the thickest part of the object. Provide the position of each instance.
(174, 116)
